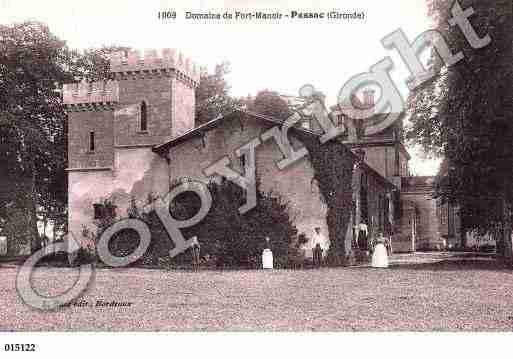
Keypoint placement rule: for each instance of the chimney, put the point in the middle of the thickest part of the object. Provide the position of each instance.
(368, 98)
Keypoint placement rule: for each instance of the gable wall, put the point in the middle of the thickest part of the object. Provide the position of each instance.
(294, 183)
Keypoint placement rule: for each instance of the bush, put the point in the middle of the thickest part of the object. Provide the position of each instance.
(487, 248)
(77, 258)
(85, 256)
(237, 240)
(227, 238)
(59, 259)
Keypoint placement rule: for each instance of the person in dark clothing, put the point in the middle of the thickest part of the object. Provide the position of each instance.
(363, 233)
(195, 253)
(317, 255)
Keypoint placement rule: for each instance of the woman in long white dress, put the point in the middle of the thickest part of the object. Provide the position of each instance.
(380, 255)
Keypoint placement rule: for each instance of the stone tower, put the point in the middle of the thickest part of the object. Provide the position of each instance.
(113, 125)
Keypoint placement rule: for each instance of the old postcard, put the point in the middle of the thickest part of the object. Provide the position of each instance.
(255, 166)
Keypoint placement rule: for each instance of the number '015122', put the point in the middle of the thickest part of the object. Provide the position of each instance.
(20, 347)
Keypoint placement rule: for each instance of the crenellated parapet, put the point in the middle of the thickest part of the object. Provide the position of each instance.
(85, 95)
(166, 61)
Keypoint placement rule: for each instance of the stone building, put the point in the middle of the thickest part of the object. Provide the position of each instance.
(421, 214)
(417, 224)
(132, 136)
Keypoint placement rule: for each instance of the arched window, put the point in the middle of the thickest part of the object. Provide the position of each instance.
(144, 117)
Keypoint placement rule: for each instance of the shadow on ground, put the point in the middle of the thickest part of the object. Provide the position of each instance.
(463, 264)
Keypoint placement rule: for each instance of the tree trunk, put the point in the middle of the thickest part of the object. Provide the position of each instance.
(33, 232)
(507, 245)
(463, 232)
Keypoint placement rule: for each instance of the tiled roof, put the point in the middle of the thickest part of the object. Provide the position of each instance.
(270, 120)
(215, 122)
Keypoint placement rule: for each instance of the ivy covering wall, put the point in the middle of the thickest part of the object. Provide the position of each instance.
(333, 165)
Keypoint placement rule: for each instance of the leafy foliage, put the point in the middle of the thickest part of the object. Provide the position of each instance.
(34, 64)
(226, 236)
(269, 103)
(465, 115)
(333, 165)
(238, 240)
(32, 120)
(93, 64)
(212, 95)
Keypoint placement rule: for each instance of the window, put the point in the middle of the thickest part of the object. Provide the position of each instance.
(450, 220)
(104, 210)
(341, 119)
(91, 141)
(380, 212)
(243, 162)
(444, 214)
(98, 210)
(3, 245)
(364, 210)
(144, 117)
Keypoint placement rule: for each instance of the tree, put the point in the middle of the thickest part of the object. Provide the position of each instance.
(465, 115)
(212, 99)
(32, 121)
(34, 64)
(270, 103)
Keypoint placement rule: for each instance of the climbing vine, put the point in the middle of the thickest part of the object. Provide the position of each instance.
(333, 165)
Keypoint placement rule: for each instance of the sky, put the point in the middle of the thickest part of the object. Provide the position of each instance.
(281, 56)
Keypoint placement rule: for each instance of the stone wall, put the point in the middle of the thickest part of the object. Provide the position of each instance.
(419, 191)
(294, 183)
(383, 159)
(378, 210)
(156, 92)
(428, 233)
(136, 172)
(183, 106)
(80, 124)
(405, 241)
(449, 223)
(123, 164)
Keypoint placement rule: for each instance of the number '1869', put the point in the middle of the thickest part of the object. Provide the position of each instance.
(20, 347)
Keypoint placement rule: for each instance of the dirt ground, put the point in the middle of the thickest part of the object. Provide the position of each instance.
(423, 292)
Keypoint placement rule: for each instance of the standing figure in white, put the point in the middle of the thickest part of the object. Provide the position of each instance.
(380, 255)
